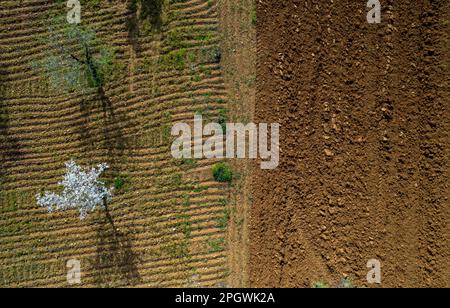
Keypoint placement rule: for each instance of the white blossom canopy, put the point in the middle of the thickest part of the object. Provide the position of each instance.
(82, 191)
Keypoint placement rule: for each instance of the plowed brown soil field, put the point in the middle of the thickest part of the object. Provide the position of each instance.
(364, 170)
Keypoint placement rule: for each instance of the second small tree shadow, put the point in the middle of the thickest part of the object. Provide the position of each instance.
(106, 102)
(143, 10)
(112, 138)
(152, 11)
(10, 148)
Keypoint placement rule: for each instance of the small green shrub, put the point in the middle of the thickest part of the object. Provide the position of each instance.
(215, 55)
(120, 182)
(346, 283)
(320, 285)
(223, 173)
(253, 17)
(216, 245)
(222, 221)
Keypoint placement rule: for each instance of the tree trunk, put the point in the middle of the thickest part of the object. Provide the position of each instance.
(108, 215)
(91, 66)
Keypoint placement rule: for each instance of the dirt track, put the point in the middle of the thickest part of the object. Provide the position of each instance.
(364, 167)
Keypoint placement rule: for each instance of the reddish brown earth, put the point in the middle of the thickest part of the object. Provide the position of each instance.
(364, 169)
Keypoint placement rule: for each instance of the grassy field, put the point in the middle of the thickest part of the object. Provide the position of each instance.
(170, 216)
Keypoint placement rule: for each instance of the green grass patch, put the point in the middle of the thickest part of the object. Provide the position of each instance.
(216, 245)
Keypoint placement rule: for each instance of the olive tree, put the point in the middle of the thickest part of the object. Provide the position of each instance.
(75, 59)
(82, 190)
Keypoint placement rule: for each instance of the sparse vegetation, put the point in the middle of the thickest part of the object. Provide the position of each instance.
(320, 285)
(222, 120)
(346, 283)
(216, 245)
(253, 16)
(223, 220)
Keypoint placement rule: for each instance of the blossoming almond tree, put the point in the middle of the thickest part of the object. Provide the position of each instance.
(82, 191)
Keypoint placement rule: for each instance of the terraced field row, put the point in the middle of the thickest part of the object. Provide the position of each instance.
(169, 215)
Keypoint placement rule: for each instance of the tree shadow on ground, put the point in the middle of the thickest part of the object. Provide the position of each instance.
(115, 262)
(113, 139)
(83, 128)
(143, 10)
(106, 102)
(10, 149)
